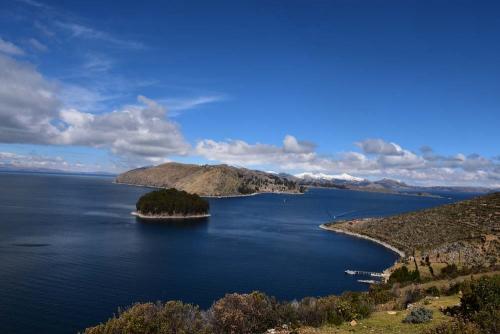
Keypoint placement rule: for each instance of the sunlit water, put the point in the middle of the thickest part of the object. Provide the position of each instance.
(71, 253)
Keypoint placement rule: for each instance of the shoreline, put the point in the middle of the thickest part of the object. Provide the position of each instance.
(214, 196)
(362, 236)
(140, 215)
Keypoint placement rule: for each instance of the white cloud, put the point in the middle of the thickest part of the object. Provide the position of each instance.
(37, 111)
(239, 152)
(35, 161)
(85, 32)
(28, 104)
(37, 45)
(133, 131)
(292, 145)
(97, 63)
(177, 105)
(9, 48)
(384, 160)
(379, 146)
(31, 112)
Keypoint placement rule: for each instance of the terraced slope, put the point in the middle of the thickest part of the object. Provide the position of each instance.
(466, 231)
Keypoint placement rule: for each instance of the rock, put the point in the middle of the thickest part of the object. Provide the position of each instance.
(392, 312)
(353, 323)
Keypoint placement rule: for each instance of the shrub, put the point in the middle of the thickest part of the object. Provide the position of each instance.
(450, 271)
(453, 289)
(412, 294)
(403, 275)
(179, 318)
(309, 313)
(174, 317)
(380, 294)
(433, 291)
(418, 315)
(456, 326)
(360, 304)
(480, 303)
(243, 313)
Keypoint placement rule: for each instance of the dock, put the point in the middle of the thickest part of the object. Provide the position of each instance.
(365, 273)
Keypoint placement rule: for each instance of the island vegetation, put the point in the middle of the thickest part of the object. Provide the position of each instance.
(166, 203)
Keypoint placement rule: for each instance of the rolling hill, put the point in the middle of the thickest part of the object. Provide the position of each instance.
(209, 180)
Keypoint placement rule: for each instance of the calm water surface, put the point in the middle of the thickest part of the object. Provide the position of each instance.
(71, 253)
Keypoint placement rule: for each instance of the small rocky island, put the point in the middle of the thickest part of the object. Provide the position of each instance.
(171, 203)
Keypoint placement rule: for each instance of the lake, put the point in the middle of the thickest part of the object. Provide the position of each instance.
(71, 253)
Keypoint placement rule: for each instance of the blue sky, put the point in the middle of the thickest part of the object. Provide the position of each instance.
(402, 89)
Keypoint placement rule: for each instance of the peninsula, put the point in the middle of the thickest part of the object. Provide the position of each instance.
(171, 204)
(210, 180)
(465, 233)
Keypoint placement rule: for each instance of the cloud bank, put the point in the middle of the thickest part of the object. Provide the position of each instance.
(35, 110)
(378, 158)
(31, 111)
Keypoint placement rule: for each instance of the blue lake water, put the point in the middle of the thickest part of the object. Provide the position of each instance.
(71, 253)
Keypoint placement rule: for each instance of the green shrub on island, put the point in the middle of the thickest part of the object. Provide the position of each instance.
(171, 202)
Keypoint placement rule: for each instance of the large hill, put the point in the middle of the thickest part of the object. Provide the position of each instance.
(209, 180)
(466, 231)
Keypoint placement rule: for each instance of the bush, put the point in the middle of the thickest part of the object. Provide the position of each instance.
(433, 291)
(453, 289)
(243, 313)
(403, 275)
(412, 294)
(418, 316)
(327, 310)
(480, 303)
(456, 326)
(380, 294)
(450, 271)
(360, 304)
(174, 317)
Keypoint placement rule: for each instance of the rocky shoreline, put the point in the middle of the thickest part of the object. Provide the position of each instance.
(362, 236)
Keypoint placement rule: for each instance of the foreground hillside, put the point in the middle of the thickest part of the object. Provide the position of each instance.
(465, 232)
(209, 180)
(385, 309)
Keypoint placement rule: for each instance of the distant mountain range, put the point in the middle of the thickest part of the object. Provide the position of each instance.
(327, 177)
(224, 180)
(346, 181)
(22, 169)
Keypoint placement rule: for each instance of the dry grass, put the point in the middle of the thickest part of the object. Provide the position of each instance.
(384, 323)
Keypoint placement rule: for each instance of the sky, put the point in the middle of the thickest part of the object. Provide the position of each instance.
(408, 90)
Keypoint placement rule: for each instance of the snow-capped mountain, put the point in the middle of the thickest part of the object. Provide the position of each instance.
(328, 177)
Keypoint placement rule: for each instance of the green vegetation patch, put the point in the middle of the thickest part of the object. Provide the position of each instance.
(171, 202)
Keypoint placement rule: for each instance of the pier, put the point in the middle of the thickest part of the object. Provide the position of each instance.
(366, 273)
